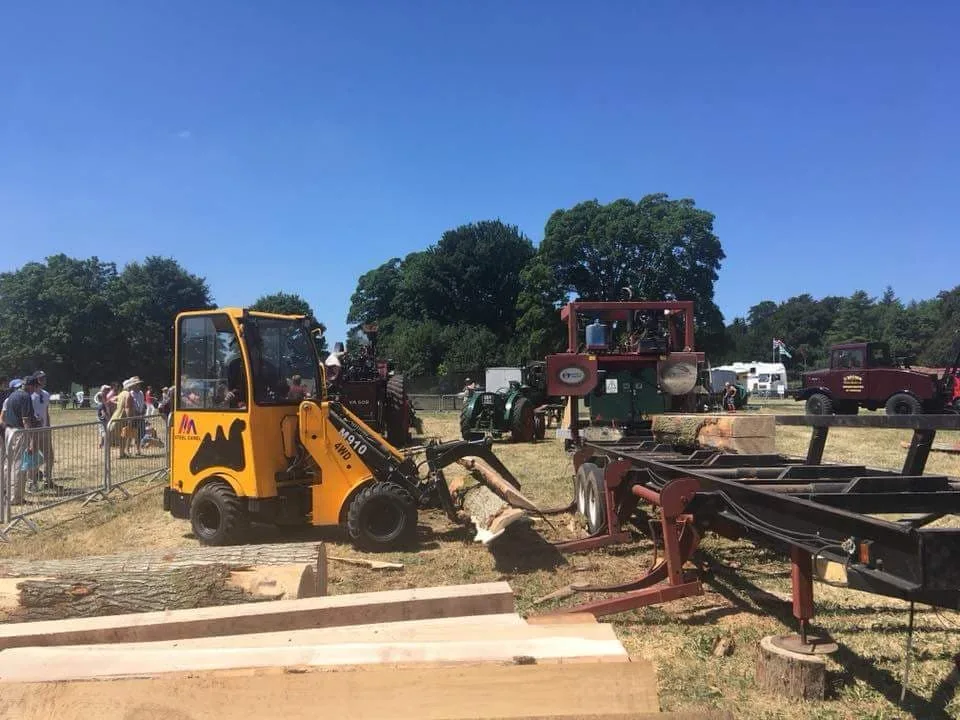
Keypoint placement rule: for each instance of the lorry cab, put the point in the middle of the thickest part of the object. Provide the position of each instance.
(864, 375)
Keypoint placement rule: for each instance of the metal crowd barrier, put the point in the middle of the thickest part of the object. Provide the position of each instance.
(44, 468)
(437, 403)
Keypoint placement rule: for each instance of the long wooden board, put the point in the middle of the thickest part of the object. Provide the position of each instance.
(481, 627)
(361, 608)
(56, 664)
(484, 691)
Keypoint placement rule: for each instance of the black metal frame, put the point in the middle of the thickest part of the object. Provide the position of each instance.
(825, 510)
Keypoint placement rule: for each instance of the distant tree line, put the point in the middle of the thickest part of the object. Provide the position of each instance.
(921, 331)
(85, 321)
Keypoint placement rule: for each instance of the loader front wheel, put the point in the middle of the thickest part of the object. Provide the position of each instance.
(217, 515)
(381, 517)
(819, 404)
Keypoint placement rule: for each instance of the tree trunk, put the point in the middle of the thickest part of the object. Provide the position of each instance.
(790, 674)
(236, 556)
(94, 594)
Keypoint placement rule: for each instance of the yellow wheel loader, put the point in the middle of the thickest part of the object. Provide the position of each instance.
(253, 438)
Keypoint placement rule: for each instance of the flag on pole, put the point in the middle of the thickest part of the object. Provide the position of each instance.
(781, 348)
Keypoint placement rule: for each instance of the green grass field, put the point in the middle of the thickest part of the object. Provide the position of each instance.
(747, 589)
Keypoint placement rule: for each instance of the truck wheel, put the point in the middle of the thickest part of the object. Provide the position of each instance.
(903, 404)
(382, 516)
(217, 515)
(819, 404)
(521, 421)
(596, 502)
(396, 419)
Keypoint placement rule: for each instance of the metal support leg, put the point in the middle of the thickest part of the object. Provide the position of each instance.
(919, 450)
(801, 575)
(818, 441)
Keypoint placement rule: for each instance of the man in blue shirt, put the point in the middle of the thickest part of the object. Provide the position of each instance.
(19, 417)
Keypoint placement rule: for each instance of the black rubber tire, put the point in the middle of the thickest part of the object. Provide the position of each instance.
(217, 515)
(580, 483)
(539, 426)
(382, 516)
(521, 421)
(596, 502)
(819, 404)
(465, 432)
(396, 415)
(903, 404)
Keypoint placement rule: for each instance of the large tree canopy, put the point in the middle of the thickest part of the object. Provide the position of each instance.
(451, 307)
(658, 248)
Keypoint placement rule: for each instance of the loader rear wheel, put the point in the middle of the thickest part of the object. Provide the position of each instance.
(903, 404)
(819, 404)
(382, 516)
(521, 421)
(396, 416)
(217, 515)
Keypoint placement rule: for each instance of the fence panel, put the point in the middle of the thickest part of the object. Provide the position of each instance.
(437, 403)
(43, 468)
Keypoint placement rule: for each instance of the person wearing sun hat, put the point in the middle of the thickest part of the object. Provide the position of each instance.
(121, 424)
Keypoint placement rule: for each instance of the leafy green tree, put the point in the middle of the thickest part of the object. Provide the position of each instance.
(856, 320)
(147, 297)
(374, 298)
(658, 247)
(57, 315)
(939, 348)
(283, 303)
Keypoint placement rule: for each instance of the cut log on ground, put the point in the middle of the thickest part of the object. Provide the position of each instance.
(790, 674)
(82, 596)
(362, 608)
(239, 556)
(488, 691)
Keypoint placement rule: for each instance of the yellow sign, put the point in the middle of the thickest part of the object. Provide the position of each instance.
(853, 383)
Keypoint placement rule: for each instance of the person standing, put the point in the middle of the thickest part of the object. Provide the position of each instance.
(122, 422)
(41, 408)
(18, 418)
(5, 393)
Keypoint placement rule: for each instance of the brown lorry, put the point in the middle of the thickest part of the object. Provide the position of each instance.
(864, 375)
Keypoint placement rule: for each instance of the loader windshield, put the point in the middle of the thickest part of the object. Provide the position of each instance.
(283, 361)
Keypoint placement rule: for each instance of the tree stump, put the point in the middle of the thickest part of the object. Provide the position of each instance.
(790, 674)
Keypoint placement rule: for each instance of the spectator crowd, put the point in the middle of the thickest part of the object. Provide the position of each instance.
(27, 450)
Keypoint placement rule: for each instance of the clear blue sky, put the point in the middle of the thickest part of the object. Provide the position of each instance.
(294, 145)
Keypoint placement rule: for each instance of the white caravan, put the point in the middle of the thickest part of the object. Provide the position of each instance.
(760, 378)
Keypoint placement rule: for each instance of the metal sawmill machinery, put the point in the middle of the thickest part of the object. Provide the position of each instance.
(627, 361)
(874, 530)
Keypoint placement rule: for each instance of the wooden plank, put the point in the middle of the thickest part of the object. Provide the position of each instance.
(33, 664)
(487, 691)
(486, 627)
(361, 608)
(566, 619)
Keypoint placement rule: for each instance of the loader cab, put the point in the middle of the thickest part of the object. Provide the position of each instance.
(240, 378)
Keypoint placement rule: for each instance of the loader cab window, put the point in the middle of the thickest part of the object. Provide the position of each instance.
(210, 375)
(880, 356)
(283, 361)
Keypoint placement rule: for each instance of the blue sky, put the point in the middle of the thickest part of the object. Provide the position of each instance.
(295, 145)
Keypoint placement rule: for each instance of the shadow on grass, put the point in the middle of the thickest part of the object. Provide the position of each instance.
(523, 550)
(734, 587)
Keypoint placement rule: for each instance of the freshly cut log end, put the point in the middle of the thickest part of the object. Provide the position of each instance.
(790, 674)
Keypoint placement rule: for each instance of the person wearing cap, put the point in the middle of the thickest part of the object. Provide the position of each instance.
(103, 412)
(469, 388)
(41, 408)
(19, 416)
